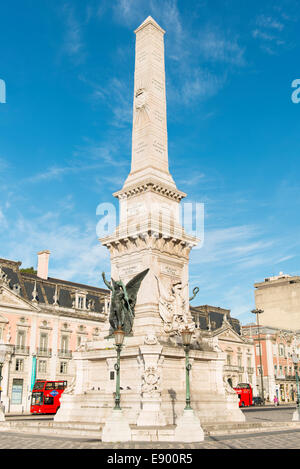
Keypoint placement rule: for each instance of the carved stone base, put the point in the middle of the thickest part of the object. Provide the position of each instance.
(116, 428)
(188, 428)
(151, 413)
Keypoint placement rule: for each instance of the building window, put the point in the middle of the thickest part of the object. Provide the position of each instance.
(81, 301)
(65, 343)
(19, 364)
(63, 367)
(21, 339)
(17, 391)
(281, 350)
(43, 341)
(42, 366)
(112, 375)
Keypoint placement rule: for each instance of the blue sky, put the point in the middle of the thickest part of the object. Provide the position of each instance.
(65, 133)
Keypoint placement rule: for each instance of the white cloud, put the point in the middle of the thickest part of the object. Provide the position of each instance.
(73, 44)
(76, 254)
(216, 47)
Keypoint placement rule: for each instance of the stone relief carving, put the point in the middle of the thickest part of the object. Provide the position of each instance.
(151, 380)
(70, 389)
(228, 388)
(141, 108)
(173, 307)
(151, 339)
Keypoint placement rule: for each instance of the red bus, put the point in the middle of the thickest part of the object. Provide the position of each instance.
(45, 398)
(244, 392)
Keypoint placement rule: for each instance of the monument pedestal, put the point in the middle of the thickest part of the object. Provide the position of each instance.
(188, 429)
(116, 428)
(91, 399)
(151, 413)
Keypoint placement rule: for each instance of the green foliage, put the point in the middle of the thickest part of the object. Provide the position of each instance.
(28, 270)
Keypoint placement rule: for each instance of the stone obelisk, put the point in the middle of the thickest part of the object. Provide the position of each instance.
(150, 234)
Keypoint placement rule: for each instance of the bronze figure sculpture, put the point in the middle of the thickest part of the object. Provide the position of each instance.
(123, 300)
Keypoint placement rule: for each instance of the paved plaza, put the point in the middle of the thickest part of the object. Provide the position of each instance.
(287, 439)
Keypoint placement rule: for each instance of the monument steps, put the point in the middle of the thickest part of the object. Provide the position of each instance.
(79, 430)
(228, 428)
(69, 429)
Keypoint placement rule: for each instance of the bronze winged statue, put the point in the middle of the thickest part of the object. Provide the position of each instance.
(123, 300)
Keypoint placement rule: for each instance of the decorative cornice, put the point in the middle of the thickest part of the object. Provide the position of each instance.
(150, 186)
(155, 241)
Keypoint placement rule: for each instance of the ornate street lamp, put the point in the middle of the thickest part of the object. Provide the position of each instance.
(258, 312)
(119, 339)
(186, 335)
(296, 414)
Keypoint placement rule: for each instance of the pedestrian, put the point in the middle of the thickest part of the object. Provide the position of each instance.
(276, 403)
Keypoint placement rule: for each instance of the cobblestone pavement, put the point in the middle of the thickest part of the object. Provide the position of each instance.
(273, 414)
(287, 439)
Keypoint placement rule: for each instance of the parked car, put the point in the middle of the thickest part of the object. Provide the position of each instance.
(257, 400)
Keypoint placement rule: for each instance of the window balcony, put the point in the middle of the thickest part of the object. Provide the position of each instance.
(231, 368)
(280, 376)
(65, 354)
(44, 352)
(290, 377)
(21, 350)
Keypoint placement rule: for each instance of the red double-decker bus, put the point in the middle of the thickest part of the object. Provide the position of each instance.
(45, 398)
(244, 392)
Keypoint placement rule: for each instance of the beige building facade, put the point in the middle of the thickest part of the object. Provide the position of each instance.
(42, 322)
(279, 298)
(239, 350)
(278, 370)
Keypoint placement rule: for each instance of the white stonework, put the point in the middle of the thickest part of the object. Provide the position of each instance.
(116, 428)
(188, 428)
(152, 368)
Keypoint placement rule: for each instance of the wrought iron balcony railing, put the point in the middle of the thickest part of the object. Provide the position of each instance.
(44, 352)
(21, 350)
(65, 354)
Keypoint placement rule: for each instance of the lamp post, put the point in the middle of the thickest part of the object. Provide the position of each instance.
(258, 312)
(116, 427)
(188, 427)
(119, 338)
(3, 351)
(296, 414)
(186, 334)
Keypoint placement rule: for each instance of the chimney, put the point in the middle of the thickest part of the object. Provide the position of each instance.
(43, 261)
